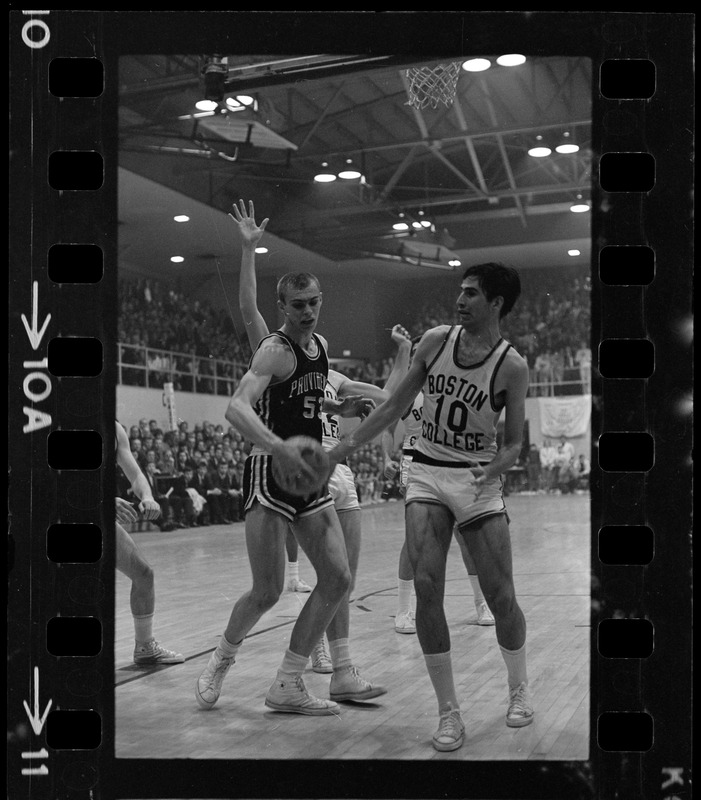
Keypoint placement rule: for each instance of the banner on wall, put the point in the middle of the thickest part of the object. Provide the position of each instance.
(565, 416)
(169, 403)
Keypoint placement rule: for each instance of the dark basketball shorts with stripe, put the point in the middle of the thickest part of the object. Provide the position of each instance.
(259, 485)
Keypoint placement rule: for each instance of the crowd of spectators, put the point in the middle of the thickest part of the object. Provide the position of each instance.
(196, 474)
(166, 335)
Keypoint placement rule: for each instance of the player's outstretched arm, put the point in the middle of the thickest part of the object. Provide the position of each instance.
(256, 327)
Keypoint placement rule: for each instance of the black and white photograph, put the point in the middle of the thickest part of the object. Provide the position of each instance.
(392, 417)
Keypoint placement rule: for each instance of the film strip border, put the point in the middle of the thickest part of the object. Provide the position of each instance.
(61, 418)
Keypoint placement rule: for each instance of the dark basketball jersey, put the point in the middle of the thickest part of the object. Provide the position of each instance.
(293, 407)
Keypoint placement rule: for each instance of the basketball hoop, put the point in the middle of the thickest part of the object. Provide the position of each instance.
(429, 86)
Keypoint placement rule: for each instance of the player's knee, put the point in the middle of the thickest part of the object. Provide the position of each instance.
(143, 574)
(427, 586)
(264, 598)
(501, 601)
(335, 582)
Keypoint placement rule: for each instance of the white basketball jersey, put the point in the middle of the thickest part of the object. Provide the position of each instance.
(459, 409)
(412, 424)
(330, 433)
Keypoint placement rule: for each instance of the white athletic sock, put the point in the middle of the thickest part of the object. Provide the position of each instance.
(404, 592)
(293, 570)
(339, 650)
(515, 665)
(440, 670)
(227, 649)
(476, 589)
(293, 663)
(143, 628)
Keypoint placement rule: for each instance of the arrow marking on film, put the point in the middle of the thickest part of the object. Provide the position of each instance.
(34, 333)
(37, 721)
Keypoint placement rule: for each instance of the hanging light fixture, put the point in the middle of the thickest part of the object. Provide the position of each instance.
(566, 146)
(511, 60)
(540, 150)
(325, 176)
(476, 64)
(349, 172)
(579, 207)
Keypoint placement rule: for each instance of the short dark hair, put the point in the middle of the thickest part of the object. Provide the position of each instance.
(497, 280)
(295, 281)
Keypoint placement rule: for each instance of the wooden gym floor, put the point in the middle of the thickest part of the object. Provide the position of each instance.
(201, 572)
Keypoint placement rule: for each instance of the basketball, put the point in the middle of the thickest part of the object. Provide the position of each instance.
(313, 453)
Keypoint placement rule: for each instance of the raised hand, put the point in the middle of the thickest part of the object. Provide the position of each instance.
(400, 336)
(245, 219)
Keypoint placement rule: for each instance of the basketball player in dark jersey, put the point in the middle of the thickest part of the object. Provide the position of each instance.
(280, 396)
(131, 561)
(469, 375)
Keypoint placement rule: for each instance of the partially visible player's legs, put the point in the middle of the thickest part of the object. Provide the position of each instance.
(428, 533)
(346, 682)
(489, 543)
(265, 532)
(404, 618)
(294, 582)
(484, 615)
(142, 599)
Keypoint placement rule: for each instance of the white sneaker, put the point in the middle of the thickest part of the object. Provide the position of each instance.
(451, 730)
(347, 684)
(404, 622)
(208, 686)
(288, 693)
(153, 653)
(297, 585)
(321, 661)
(520, 711)
(484, 615)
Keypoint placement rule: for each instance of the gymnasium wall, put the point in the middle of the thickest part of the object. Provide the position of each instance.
(135, 402)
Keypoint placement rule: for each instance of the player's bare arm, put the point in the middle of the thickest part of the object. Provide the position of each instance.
(392, 409)
(256, 327)
(511, 384)
(272, 360)
(139, 485)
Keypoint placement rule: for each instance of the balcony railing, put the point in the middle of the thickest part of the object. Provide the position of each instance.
(151, 368)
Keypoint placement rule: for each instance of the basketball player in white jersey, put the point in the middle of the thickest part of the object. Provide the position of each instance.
(341, 484)
(404, 620)
(131, 562)
(469, 375)
(281, 396)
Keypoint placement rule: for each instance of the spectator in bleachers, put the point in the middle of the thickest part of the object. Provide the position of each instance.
(583, 470)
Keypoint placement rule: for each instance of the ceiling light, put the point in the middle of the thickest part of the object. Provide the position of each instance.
(567, 148)
(261, 250)
(400, 226)
(539, 152)
(426, 223)
(574, 252)
(511, 60)
(579, 208)
(245, 99)
(454, 262)
(416, 225)
(476, 65)
(181, 218)
(206, 105)
(324, 177)
(233, 104)
(177, 259)
(349, 174)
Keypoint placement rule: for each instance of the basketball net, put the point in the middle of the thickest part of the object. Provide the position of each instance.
(429, 86)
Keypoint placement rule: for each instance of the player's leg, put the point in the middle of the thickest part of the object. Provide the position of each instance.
(484, 615)
(294, 582)
(328, 553)
(428, 533)
(142, 599)
(404, 620)
(265, 532)
(320, 537)
(489, 543)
